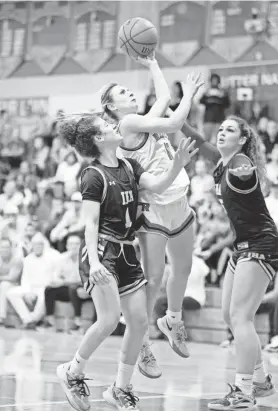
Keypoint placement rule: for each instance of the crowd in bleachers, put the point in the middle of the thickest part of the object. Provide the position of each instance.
(41, 216)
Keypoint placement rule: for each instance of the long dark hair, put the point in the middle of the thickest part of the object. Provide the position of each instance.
(252, 148)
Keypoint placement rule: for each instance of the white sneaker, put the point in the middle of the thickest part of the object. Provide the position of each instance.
(121, 399)
(235, 400)
(147, 362)
(75, 387)
(264, 389)
(176, 334)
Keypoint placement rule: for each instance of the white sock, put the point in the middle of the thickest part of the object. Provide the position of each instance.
(146, 339)
(173, 316)
(78, 364)
(244, 382)
(124, 375)
(260, 373)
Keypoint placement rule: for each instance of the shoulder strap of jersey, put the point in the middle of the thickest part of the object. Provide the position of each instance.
(129, 166)
(104, 180)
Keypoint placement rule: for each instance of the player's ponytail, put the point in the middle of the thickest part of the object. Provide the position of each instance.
(252, 148)
(105, 99)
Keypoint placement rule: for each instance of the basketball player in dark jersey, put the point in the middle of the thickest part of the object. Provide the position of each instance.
(238, 177)
(109, 268)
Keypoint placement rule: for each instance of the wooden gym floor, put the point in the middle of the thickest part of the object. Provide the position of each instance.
(28, 362)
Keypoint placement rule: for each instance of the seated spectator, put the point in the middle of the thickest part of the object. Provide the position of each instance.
(38, 269)
(45, 207)
(11, 225)
(10, 197)
(14, 149)
(195, 294)
(40, 155)
(272, 166)
(67, 285)
(213, 239)
(10, 273)
(201, 183)
(56, 215)
(24, 247)
(67, 173)
(71, 223)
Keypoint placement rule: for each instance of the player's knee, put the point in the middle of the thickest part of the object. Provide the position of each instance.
(154, 282)
(239, 316)
(139, 324)
(109, 322)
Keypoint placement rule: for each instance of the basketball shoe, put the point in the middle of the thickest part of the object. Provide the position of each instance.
(121, 399)
(75, 387)
(264, 389)
(147, 363)
(234, 401)
(176, 334)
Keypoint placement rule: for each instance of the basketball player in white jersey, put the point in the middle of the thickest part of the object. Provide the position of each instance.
(163, 220)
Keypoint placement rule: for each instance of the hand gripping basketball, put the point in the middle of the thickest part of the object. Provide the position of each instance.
(184, 153)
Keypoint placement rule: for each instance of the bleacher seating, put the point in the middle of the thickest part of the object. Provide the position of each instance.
(205, 325)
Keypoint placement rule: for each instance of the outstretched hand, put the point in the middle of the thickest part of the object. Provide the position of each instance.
(192, 84)
(184, 152)
(243, 170)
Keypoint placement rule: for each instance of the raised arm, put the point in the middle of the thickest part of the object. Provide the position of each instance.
(159, 183)
(206, 149)
(135, 123)
(162, 92)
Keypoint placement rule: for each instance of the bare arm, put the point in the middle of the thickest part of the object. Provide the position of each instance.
(162, 92)
(15, 273)
(158, 184)
(206, 149)
(91, 211)
(135, 123)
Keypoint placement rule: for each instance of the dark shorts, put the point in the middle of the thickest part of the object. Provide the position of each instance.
(268, 262)
(120, 260)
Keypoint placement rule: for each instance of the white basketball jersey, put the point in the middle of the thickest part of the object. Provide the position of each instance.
(155, 154)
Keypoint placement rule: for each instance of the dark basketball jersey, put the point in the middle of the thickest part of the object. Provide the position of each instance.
(249, 217)
(116, 189)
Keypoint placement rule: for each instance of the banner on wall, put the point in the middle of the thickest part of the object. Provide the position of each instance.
(25, 113)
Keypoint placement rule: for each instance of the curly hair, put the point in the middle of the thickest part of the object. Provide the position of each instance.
(79, 132)
(252, 148)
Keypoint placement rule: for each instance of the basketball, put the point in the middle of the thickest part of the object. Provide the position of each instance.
(137, 37)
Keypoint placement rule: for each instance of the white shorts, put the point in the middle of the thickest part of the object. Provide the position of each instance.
(169, 220)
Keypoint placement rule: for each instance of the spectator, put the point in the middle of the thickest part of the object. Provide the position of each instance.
(216, 101)
(71, 223)
(38, 268)
(10, 197)
(25, 246)
(272, 166)
(67, 173)
(45, 207)
(176, 95)
(270, 137)
(10, 273)
(66, 286)
(40, 155)
(10, 226)
(150, 100)
(201, 183)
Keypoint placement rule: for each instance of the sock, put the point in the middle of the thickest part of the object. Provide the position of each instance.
(173, 316)
(146, 339)
(260, 373)
(244, 382)
(78, 364)
(124, 375)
